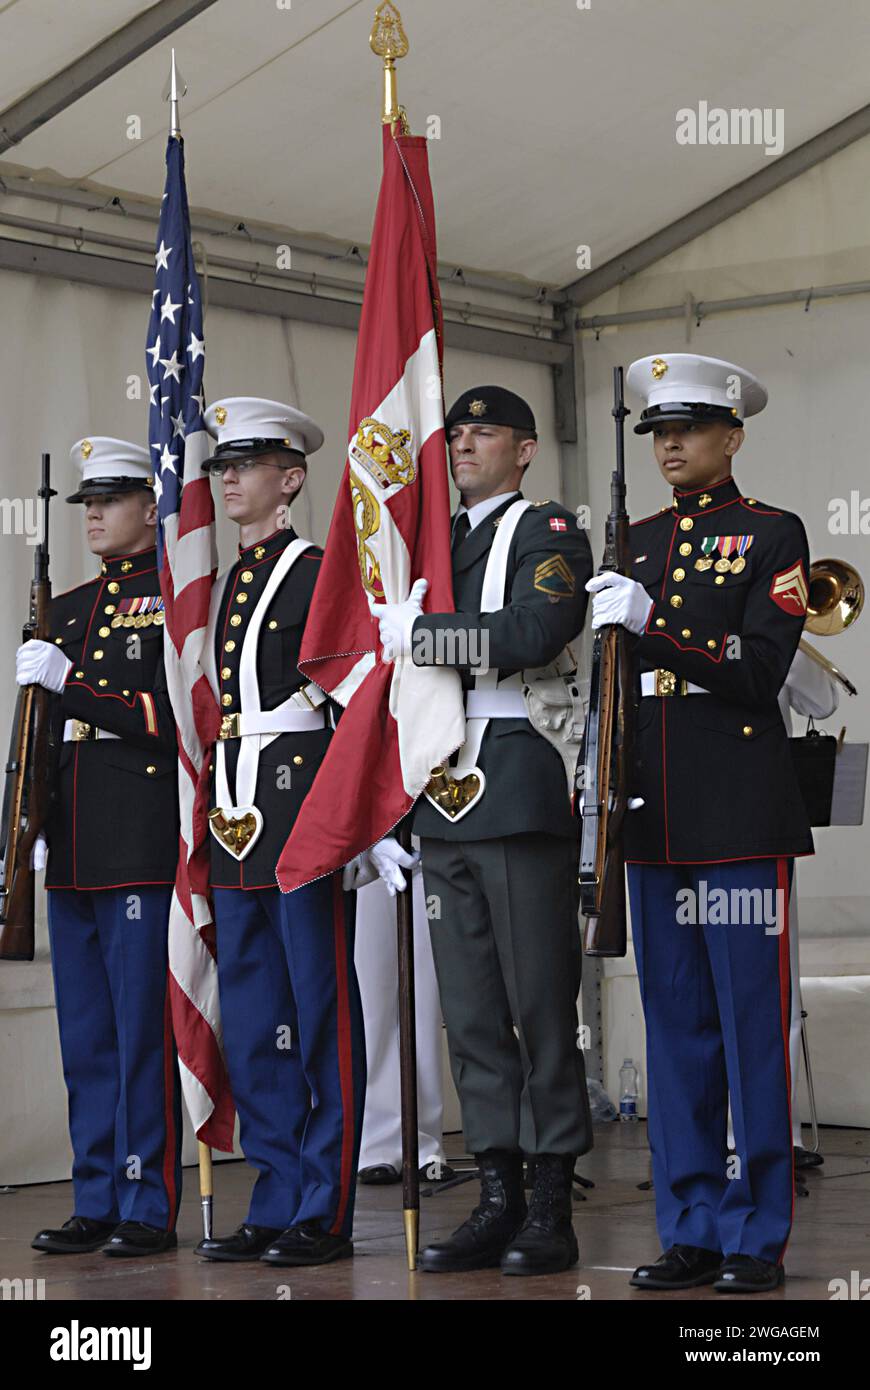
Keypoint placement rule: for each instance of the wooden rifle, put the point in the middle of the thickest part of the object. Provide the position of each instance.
(27, 791)
(607, 752)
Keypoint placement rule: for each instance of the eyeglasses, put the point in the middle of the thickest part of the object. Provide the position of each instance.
(218, 467)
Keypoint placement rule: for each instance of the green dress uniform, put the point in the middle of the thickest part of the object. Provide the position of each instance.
(505, 935)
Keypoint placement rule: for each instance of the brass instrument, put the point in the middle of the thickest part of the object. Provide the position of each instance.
(835, 600)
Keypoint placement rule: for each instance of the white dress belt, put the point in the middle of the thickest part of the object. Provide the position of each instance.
(495, 704)
(648, 685)
(278, 721)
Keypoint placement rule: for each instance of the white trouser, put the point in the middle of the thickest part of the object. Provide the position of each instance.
(378, 974)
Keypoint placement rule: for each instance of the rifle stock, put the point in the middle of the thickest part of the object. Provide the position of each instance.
(608, 743)
(27, 793)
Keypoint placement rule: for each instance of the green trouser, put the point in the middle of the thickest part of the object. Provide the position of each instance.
(506, 942)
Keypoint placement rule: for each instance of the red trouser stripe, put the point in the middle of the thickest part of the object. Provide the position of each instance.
(345, 1055)
(782, 884)
(169, 1113)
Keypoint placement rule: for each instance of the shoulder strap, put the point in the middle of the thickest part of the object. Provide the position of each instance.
(495, 578)
(495, 574)
(249, 686)
(248, 763)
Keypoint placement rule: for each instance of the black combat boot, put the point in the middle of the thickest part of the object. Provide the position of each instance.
(481, 1240)
(546, 1243)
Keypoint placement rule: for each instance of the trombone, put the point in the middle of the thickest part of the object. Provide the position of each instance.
(835, 600)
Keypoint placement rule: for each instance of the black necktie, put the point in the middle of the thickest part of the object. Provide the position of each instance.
(460, 531)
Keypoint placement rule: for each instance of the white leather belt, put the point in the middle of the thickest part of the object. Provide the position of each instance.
(495, 704)
(279, 721)
(666, 683)
(77, 731)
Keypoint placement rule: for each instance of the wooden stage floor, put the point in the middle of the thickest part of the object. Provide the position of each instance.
(615, 1227)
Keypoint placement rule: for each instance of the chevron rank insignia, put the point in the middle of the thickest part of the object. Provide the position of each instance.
(789, 590)
(553, 577)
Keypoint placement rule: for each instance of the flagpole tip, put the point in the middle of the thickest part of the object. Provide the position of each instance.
(173, 91)
(389, 41)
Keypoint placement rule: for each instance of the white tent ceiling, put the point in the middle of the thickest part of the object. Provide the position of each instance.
(557, 123)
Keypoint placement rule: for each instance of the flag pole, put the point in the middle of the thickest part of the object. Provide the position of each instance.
(389, 42)
(175, 89)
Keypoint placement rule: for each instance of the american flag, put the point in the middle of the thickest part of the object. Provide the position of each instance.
(186, 551)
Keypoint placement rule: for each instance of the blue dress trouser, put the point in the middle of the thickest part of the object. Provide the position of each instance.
(717, 1002)
(109, 959)
(295, 1047)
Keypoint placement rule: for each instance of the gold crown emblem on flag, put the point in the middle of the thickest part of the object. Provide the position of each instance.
(384, 452)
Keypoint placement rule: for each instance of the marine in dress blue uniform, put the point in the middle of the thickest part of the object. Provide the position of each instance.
(717, 600)
(112, 839)
(290, 1007)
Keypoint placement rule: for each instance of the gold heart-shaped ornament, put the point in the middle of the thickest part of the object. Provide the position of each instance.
(454, 790)
(236, 828)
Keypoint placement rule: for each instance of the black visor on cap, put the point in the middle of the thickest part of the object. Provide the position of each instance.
(244, 448)
(106, 487)
(698, 411)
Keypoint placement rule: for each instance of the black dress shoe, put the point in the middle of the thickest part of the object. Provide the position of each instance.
(75, 1237)
(805, 1158)
(746, 1274)
(546, 1243)
(135, 1238)
(436, 1171)
(247, 1243)
(307, 1244)
(480, 1242)
(379, 1175)
(681, 1267)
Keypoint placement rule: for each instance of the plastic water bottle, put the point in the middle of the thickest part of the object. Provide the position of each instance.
(628, 1090)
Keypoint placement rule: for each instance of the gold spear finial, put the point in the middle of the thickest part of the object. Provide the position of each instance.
(389, 41)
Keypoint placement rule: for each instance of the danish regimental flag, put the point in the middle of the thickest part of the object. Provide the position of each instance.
(391, 526)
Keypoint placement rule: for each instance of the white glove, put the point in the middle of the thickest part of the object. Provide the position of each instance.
(385, 861)
(41, 663)
(620, 601)
(397, 619)
(389, 859)
(39, 854)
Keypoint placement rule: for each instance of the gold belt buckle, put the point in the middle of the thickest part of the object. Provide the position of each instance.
(82, 732)
(666, 683)
(230, 727)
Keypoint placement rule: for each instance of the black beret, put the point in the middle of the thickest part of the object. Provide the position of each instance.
(492, 405)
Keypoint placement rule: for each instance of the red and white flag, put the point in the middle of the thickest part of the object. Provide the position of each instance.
(391, 525)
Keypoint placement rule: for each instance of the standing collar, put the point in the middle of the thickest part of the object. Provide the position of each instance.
(125, 566)
(268, 547)
(704, 499)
